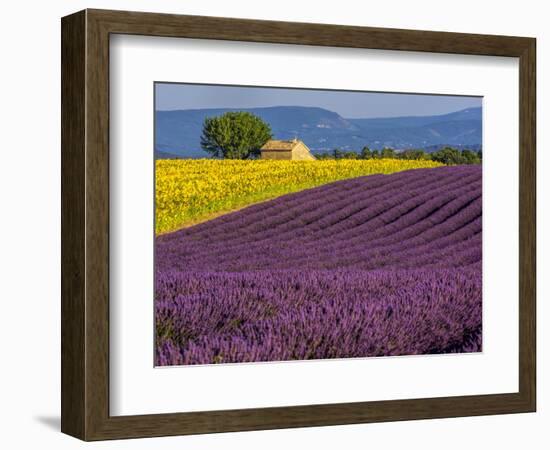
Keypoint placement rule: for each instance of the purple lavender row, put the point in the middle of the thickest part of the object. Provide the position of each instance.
(330, 220)
(295, 207)
(434, 225)
(380, 231)
(205, 318)
(424, 251)
(391, 196)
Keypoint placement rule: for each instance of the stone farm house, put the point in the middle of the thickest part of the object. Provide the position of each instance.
(294, 150)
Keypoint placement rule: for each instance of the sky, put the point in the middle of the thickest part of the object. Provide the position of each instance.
(171, 96)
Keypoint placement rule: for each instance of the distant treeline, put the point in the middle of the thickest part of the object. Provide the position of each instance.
(447, 155)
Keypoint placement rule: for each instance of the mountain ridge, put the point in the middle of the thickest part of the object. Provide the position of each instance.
(178, 131)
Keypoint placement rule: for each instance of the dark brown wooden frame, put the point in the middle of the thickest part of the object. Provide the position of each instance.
(85, 224)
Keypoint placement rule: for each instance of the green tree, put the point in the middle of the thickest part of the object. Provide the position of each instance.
(337, 153)
(323, 155)
(366, 153)
(448, 156)
(350, 154)
(234, 135)
(387, 153)
(470, 157)
(413, 154)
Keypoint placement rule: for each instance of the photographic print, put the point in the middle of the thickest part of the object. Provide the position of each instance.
(307, 224)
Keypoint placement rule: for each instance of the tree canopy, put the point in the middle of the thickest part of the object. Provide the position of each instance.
(234, 135)
(446, 155)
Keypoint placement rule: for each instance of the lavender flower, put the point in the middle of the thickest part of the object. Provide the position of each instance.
(372, 266)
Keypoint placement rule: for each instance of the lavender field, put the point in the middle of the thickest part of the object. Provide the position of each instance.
(372, 266)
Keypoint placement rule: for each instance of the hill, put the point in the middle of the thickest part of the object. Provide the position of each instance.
(178, 131)
(165, 155)
(371, 266)
(189, 191)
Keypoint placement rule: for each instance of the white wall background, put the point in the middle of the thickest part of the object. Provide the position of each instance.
(30, 222)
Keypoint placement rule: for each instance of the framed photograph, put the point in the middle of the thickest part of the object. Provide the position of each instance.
(273, 225)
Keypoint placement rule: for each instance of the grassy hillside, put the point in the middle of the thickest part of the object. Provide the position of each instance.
(192, 191)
